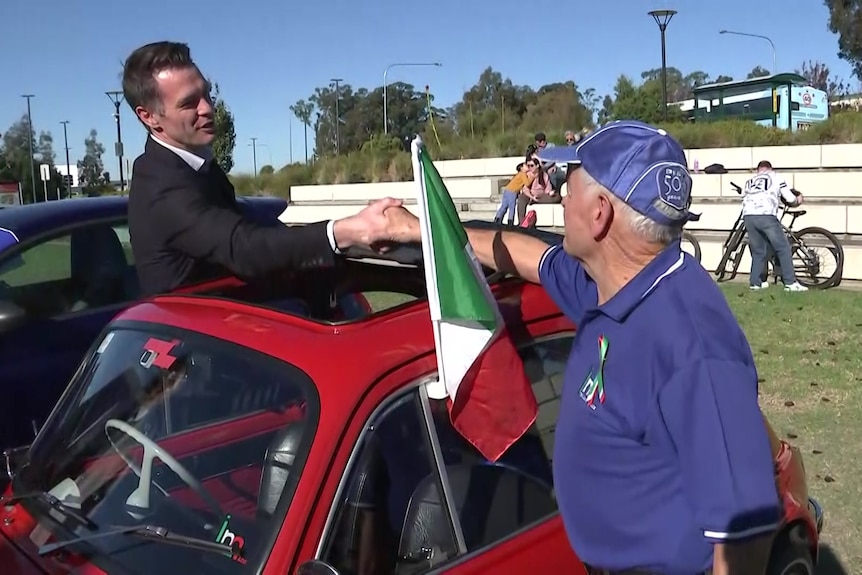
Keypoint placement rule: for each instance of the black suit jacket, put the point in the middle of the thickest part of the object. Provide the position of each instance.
(185, 227)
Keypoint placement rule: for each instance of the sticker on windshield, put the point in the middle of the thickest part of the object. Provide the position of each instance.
(228, 537)
(105, 343)
(158, 352)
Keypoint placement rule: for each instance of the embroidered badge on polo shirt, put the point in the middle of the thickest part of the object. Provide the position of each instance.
(593, 387)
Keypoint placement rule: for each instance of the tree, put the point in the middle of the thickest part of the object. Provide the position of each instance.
(643, 102)
(758, 72)
(556, 105)
(303, 110)
(225, 140)
(91, 170)
(17, 161)
(818, 75)
(845, 19)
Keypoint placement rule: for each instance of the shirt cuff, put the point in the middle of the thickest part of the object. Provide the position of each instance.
(721, 536)
(330, 233)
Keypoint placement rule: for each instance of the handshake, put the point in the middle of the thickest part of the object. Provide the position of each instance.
(380, 225)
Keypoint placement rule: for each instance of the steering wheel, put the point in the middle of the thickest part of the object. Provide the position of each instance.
(140, 497)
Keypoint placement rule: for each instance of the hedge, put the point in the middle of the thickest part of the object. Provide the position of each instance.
(384, 160)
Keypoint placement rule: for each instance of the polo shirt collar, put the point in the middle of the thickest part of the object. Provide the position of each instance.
(639, 287)
(196, 161)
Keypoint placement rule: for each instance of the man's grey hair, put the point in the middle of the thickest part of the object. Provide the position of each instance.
(641, 225)
(569, 133)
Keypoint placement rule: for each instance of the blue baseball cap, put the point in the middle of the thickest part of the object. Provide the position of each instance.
(640, 164)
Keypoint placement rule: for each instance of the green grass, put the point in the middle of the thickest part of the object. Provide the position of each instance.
(45, 262)
(49, 261)
(808, 348)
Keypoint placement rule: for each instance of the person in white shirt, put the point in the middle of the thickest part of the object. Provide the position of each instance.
(760, 205)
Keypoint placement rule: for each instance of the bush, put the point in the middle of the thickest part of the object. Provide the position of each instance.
(383, 158)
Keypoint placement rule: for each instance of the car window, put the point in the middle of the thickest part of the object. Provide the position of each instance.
(231, 428)
(545, 363)
(393, 485)
(89, 267)
(493, 500)
(392, 519)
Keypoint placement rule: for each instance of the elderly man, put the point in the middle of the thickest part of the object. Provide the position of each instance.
(662, 461)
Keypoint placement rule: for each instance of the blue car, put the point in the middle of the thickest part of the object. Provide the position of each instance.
(66, 268)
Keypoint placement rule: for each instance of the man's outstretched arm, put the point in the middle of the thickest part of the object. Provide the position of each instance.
(511, 252)
(521, 255)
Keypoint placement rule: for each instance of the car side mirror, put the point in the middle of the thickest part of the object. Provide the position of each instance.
(12, 316)
(316, 567)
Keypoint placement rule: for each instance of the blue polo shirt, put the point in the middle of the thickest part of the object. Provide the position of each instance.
(660, 449)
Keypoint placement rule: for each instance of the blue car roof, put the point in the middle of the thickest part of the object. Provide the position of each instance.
(35, 219)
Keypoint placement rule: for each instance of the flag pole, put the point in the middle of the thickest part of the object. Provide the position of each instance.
(438, 390)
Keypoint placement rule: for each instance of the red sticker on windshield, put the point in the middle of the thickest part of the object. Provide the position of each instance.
(158, 353)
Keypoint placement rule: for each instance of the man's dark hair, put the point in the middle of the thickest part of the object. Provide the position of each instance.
(142, 65)
(764, 164)
(540, 137)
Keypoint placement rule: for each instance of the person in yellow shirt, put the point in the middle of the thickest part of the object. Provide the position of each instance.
(524, 178)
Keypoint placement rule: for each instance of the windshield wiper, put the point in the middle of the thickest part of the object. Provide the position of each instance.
(153, 533)
(54, 503)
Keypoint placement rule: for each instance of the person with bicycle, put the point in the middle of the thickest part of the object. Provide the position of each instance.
(761, 197)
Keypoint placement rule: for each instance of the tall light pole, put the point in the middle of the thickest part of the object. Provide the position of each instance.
(771, 43)
(385, 73)
(268, 150)
(117, 98)
(30, 143)
(254, 155)
(337, 115)
(68, 167)
(662, 18)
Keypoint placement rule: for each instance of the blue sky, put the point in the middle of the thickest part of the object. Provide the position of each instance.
(266, 54)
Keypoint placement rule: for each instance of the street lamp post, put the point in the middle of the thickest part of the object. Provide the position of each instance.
(68, 167)
(771, 43)
(116, 97)
(385, 101)
(254, 155)
(662, 18)
(337, 115)
(30, 143)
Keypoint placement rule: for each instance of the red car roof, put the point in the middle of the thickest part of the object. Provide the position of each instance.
(327, 352)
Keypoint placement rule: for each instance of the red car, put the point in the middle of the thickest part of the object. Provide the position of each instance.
(213, 435)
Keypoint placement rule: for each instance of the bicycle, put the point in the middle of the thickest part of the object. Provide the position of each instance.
(807, 263)
(694, 250)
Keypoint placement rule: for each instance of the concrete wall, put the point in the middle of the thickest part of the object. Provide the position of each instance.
(827, 157)
(830, 176)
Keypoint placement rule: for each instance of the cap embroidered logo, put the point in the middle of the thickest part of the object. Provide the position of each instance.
(674, 191)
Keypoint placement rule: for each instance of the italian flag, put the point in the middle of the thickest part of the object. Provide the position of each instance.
(491, 402)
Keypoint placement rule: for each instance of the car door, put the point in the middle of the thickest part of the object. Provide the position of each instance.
(418, 498)
(69, 286)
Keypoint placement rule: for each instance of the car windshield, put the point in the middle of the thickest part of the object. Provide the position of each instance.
(163, 427)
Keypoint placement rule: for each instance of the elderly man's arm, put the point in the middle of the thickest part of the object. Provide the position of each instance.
(710, 411)
(522, 255)
(510, 252)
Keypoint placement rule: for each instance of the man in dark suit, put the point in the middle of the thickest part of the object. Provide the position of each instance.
(184, 222)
